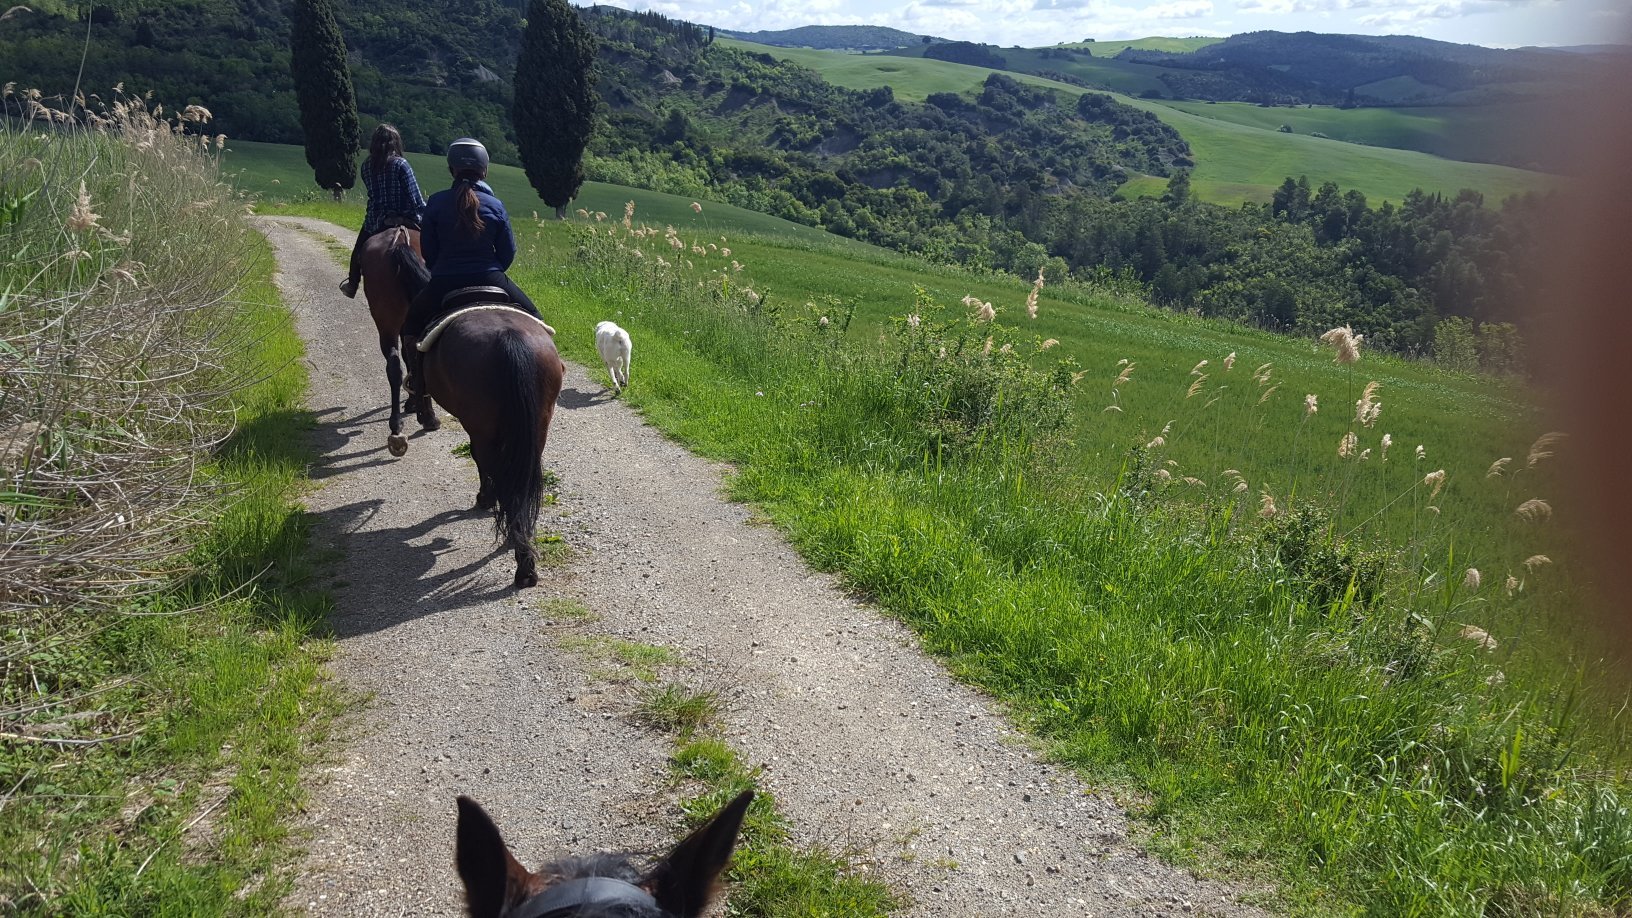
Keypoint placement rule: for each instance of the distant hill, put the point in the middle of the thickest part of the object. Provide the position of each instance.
(837, 38)
(1308, 67)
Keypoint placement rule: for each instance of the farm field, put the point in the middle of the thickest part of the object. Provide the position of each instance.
(1103, 72)
(1512, 132)
(1155, 43)
(1234, 162)
(1123, 601)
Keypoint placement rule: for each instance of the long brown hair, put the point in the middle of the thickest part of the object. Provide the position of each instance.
(385, 145)
(470, 207)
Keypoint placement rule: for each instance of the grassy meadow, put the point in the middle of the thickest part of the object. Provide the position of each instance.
(1154, 43)
(152, 738)
(1350, 671)
(1234, 161)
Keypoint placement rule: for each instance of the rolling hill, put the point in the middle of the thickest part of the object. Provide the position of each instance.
(1234, 161)
(838, 38)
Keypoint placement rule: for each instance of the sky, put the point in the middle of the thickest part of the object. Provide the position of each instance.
(1031, 23)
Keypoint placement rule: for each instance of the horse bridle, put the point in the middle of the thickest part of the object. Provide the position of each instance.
(564, 899)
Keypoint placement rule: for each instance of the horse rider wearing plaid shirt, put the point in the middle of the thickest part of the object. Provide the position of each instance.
(393, 195)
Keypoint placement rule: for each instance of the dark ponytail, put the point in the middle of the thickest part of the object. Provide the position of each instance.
(470, 207)
(384, 146)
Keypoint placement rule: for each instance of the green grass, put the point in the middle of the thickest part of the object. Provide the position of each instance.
(1155, 43)
(1099, 72)
(1512, 132)
(192, 817)
(676, 708)
(1234, 162)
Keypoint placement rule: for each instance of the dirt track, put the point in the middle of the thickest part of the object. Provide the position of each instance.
(861, 736)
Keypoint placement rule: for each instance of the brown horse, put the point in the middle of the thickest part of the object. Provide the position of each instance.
(678, 886)
(498, 372)
(388, 300)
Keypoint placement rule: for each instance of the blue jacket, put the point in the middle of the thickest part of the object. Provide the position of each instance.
(449, 251)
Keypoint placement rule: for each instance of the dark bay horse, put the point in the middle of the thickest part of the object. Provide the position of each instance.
(678, 886)
(498, 372)
(388, 301)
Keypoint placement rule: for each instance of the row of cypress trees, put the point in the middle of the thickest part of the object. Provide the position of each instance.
(553, 113)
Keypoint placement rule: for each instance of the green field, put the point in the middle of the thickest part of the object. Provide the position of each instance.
(1099, 72)
(1234, 162)
(1513, 132)
(1156, 43)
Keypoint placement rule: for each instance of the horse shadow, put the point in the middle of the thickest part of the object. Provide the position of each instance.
(573, 398)
(406, 584)
(332, 432)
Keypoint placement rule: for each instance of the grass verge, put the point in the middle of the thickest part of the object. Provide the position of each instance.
(218, 681)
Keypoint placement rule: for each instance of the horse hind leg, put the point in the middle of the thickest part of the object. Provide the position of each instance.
(485, 451)
(390, 347)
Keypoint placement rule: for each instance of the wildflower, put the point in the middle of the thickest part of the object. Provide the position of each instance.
(1157, 443)
(1310, 405)
(1436, 481)
(1494, 679)
(1267, 393)
(1535, 509)
(1471, 580)
(696, 208)
(1051, 342)
(1261, 375)
(600, 216)
(82, 218)
(970, 300)
(985, 313)
(1194, 482)
(987, 350)
(1421, 453)
(1498, 467)
(1347, 446)
(1229, 362)
(220, 141)
(1535, 561)
(1388, 440)
(1125, 375)
(1345, 344)
(1542, 448)
(1114, 408)
(583, 212)
(196, 113)
(913, 321)
(629, 214)
(1511, 584)
(725, 253)
(1164, 475)
(1198, 368)
(822, 321)
(750, 294)
(1479, 636)
(1196, 386)
(1365, 454)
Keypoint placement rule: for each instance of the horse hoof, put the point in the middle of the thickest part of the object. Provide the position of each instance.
(525, 580)
(430, 422)
(397, 444)
(484, 502)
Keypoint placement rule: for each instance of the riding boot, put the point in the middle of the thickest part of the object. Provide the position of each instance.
(414, 364)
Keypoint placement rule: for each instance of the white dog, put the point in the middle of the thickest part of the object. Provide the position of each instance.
(613, 343)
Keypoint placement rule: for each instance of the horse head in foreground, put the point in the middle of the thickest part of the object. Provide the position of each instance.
(496, 370)
(606, 885)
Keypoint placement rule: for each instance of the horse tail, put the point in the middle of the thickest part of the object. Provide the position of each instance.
(409, 267)
(518, 481)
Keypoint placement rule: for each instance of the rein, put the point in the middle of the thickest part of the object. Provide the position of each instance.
(567, 898)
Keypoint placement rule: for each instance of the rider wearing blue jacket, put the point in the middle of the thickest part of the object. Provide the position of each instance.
(466, 239)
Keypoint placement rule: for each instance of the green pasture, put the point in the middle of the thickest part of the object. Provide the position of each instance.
(1100, 72)
(1155, 43)
(1234, 162)
(1473, 133)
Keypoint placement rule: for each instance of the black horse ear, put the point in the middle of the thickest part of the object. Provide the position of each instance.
(685, 881)
(485, 865)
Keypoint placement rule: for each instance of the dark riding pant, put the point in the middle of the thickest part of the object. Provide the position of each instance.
(428, 305)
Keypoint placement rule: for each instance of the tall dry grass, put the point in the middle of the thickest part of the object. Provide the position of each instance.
(120, 250)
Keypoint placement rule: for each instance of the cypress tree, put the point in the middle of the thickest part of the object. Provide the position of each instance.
(328, 104)
(554, 108)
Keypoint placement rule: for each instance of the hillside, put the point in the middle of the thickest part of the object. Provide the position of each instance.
(838, 38)
(1307, 67)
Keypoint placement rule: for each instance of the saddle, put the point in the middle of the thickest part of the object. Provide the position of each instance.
(471, 299)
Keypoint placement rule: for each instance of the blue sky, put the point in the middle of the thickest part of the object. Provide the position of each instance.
(1497, 23)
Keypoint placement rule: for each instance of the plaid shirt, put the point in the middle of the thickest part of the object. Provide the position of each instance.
(391, 193)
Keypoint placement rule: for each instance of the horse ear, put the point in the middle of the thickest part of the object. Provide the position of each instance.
(489, 872)
(685, 881)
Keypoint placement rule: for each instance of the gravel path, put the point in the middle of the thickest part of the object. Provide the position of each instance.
(863, 738)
